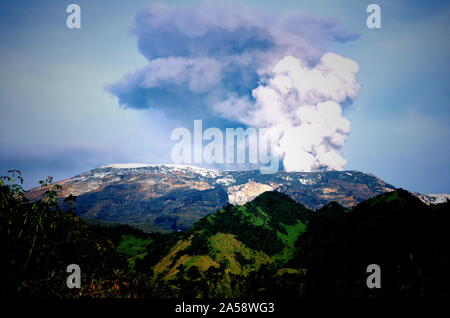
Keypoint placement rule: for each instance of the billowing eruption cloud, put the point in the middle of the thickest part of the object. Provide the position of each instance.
(250, 68)
(301, 105)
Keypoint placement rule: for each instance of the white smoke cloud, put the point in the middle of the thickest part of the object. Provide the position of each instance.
(250, 67)
(303, 106)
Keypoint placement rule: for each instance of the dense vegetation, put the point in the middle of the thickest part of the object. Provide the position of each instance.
(39, 240)
(270, 247)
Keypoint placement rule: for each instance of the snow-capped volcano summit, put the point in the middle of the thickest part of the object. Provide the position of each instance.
(168, 196)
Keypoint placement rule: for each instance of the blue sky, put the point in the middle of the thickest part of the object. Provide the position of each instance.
(58, 119)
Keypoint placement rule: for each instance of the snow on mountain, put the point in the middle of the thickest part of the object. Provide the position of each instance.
(433, 198)
(173, 197)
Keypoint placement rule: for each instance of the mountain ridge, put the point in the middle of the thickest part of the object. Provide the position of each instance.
(167, 197)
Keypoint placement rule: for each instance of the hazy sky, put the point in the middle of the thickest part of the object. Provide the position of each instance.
(59, 117)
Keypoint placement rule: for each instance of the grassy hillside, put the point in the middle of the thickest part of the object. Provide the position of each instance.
(238, 239)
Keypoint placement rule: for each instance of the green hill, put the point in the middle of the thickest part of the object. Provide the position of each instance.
(275, 246)
(236, 241)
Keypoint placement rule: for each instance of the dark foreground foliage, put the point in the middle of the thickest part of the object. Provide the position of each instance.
(38, 241)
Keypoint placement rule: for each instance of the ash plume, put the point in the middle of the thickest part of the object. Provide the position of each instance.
(248, 68)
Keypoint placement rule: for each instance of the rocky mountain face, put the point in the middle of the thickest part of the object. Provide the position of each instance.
(173, 197)
(433, 198)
